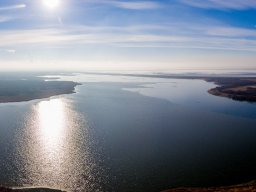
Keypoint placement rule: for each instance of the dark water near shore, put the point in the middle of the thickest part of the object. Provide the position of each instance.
(116, 135)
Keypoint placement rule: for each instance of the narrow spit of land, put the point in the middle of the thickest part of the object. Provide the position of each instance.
(26, 90)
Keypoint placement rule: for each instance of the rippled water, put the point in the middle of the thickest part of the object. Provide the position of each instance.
(55, 147)
(128, 134)
(52, 147)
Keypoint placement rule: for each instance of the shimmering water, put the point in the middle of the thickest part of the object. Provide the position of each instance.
(128, 134)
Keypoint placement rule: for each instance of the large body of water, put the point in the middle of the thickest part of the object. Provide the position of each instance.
(128, 134)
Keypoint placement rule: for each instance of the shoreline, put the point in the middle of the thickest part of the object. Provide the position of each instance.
(232, 87)
(231, 93)
(22, 91)
(17, 99)
(250, 186)
(236, 88)
(29, 189)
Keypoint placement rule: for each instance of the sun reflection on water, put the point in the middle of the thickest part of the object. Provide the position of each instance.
(55, 148)
(52, 122)
(53, 127)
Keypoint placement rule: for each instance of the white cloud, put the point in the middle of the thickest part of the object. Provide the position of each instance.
(183, 36)
(133, 5)
(231, 32)
(13, 7)
(222, 4)
(136, 5)
(12, 51)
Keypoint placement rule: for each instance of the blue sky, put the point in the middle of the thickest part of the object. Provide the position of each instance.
(128, 35)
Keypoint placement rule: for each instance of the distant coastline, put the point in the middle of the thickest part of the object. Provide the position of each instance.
(236, 88)
(27, 90)
(240, 89)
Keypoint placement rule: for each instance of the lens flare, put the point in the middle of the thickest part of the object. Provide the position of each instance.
(51, 4)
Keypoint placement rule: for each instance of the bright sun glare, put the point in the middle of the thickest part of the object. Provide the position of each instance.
(52, 121)
(51, 4)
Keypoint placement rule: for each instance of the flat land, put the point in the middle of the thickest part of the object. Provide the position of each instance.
(26, 90)
(241, 89)
(236, 88)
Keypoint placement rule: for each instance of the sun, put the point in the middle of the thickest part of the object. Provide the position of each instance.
(51, 4)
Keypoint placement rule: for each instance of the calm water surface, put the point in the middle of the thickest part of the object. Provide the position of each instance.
(128, 134)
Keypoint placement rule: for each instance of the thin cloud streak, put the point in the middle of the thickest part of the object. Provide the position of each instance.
(132, 5)
(11, 51)
(187, 47)
(136, 5)
(222, 38)
(13, 7)
(222, 4)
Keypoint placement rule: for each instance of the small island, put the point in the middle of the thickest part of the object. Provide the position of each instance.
(26, 90)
